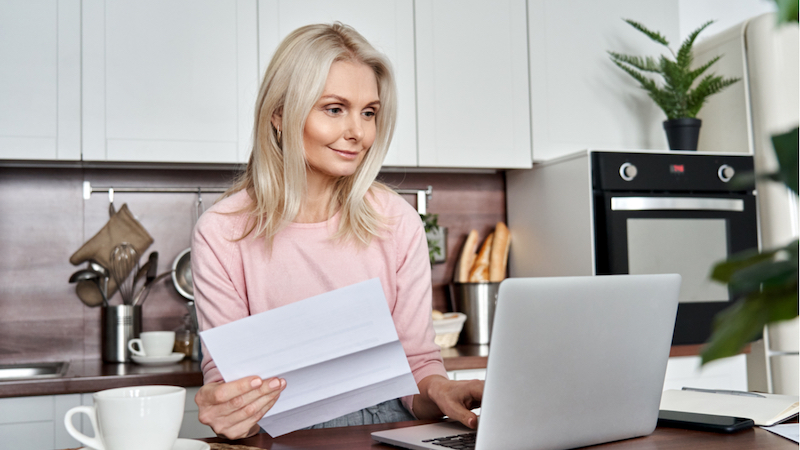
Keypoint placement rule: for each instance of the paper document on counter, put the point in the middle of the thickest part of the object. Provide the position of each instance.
(764, 409)
(338, 352)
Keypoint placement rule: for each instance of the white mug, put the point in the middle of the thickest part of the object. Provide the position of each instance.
(153, 344)
(132, 418)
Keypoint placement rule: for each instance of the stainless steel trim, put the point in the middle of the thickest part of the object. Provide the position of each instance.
(675, 203)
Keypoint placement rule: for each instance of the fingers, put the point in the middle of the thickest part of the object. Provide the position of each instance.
(232, 409)
(460, 398)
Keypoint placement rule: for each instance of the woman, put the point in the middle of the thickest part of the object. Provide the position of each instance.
(307, 217)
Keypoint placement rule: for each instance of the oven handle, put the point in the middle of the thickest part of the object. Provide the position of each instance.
(675, 203)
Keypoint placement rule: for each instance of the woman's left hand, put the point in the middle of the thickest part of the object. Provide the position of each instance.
(441, 396)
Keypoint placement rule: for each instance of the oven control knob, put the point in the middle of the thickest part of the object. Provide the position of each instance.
(725, 173)
(628, 171)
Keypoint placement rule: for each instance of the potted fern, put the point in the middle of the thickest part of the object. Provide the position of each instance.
(679, 101)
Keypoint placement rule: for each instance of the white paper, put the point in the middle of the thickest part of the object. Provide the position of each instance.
(338, 352)
(788, 430)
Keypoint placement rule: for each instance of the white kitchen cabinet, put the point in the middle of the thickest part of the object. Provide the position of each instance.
(37, 423)
(472, 84)
(40, 80)
(579, 98)
(387, 25)
(169, 81)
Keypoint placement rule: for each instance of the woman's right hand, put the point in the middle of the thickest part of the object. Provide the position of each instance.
(233, 409)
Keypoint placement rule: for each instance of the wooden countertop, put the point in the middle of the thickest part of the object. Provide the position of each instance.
(358, 437)
(86, 376)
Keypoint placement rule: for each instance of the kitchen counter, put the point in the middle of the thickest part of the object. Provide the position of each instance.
(84, 376)
(93, 375)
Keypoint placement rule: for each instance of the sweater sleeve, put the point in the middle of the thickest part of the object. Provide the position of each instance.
(217, 274)
(412, 311)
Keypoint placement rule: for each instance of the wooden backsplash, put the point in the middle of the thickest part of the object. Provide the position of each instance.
(44, 220)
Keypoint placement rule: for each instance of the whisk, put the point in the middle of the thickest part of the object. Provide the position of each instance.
(124, 266)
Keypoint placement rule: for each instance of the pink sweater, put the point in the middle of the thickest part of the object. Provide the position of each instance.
(234, 279)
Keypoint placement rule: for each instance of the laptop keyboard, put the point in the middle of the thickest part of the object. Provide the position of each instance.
(464, 441)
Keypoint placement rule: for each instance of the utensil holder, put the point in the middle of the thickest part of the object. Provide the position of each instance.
(120, 323)
(477, 301)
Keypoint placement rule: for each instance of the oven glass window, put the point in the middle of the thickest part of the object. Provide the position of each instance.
(689, 247)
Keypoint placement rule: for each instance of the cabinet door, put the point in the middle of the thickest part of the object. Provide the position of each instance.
(472, 84)
(169, 81)
(387, 25)
(40, 80)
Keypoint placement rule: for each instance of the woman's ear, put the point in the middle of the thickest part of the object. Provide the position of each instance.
(277, 119)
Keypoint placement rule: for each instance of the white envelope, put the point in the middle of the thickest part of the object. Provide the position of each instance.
(338, 352)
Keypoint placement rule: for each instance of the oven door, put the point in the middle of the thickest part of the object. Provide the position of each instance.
(681, 233)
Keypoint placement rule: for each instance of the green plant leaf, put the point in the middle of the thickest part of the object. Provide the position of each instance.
(684, 57)
(786, 150)
(699, 71)
(738, 325)
(787, 11)
(768, 274)
(724, 271)
(654, 35)
(709, 85)
(675, 97)
(733, 329)
(647, 64)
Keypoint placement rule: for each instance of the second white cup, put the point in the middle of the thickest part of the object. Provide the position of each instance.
(153, 344)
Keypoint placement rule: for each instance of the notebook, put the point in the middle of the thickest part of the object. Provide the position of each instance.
(764, 409)
(573, 361)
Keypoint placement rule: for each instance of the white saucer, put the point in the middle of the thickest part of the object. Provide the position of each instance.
(181, 444)
(158, 360)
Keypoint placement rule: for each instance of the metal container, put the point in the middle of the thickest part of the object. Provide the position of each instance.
(478, 302)
(120, 323)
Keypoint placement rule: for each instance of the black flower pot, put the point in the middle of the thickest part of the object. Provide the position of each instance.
(682, 134)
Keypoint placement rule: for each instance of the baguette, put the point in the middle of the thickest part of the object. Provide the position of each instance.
(480, 268)
(498, 259)
(467, 257)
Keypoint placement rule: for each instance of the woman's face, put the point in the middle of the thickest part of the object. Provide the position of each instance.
(340, 128)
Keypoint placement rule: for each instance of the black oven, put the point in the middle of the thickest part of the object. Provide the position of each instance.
(674, 213)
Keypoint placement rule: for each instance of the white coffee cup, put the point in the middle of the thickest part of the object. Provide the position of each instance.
(153, 344)
(132, 418)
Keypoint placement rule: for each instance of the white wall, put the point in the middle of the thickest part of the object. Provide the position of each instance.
(725, 13)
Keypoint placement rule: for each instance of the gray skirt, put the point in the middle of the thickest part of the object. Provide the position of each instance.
(386, 412)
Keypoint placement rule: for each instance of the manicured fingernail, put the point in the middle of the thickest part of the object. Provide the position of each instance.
(274, 383)
(256, 382)
(283, 382)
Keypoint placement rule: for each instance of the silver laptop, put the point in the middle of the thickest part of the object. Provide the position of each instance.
(573, 361)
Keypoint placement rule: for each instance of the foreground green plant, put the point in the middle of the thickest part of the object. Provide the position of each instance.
(676, 98)
(764, 283)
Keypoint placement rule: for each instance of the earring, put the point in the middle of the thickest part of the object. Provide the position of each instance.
(279, 135)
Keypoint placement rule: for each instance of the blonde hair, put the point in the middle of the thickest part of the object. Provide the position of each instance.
(275, 177)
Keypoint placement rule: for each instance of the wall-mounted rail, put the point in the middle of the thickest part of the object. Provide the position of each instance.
(423, 195)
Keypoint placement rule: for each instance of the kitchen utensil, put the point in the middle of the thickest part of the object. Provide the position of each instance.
(144, 271)
(182, 268)
(84, 274)
(182, 274)
(182, 280)
(89, 276)
(141, 296)
(120, 323)
(124, 266)
(111, 210)
(94, 265)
